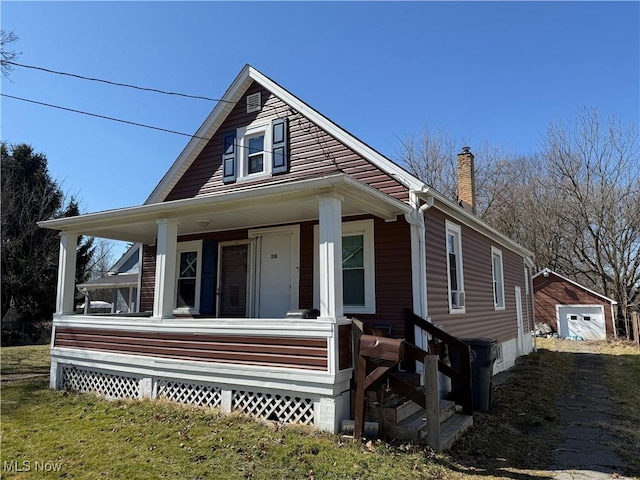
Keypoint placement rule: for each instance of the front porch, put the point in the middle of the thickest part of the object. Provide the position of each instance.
(289, 370)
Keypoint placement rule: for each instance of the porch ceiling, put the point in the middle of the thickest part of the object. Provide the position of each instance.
(242, 208)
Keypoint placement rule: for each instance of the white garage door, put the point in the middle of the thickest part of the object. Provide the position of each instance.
(583, 321)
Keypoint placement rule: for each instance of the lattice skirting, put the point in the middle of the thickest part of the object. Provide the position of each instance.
(271, 406)
(194, 394)
(268, 405)
(105, 384)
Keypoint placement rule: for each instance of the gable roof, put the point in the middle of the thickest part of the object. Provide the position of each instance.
(235, 92)
(546, 272)
(232, 96)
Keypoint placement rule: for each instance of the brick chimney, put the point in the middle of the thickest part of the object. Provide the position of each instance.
(466, 180)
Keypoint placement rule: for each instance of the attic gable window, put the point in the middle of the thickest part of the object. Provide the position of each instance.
(257, 150)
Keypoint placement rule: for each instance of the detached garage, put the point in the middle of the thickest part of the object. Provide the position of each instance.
(570, 309)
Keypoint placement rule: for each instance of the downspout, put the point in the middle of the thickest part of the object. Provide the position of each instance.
(529, 263)
(419, 259)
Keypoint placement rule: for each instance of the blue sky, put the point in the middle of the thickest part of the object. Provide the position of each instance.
(498, 72)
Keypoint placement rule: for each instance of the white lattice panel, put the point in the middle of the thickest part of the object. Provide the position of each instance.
(194, 394)
(274, 407)
(100, 383)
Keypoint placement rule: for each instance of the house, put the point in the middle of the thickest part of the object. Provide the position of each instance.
(572, 310)
(122, 281)
(272, 210)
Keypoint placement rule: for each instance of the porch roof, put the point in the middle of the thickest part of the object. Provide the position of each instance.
(248, 207)
(122, 280)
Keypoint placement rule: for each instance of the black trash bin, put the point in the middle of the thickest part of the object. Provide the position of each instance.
(483, 355)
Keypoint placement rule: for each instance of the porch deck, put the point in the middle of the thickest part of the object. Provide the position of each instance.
(290, 370)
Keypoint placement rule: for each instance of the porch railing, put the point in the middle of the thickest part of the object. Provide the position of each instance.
(461, 377)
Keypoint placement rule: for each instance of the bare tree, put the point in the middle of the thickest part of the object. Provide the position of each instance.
(103, 258)
(430, 156)
(7, 56)
(594, 168)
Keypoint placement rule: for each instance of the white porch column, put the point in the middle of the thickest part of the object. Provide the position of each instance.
(66, 273)
(330, 254)
(165, 286)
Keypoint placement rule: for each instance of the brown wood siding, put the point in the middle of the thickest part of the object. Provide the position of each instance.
(304, 353)
(313, 152)
(393, 271)
(392, 262)
(306, 265)
(553, 290)
(147, 284)
(481, 319)
(344, 347)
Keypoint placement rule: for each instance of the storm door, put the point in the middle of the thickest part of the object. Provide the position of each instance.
(233, 280)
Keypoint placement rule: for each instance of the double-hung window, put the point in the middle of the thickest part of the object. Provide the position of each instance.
(188, 273)
(455, 277)
(498, 278)
(255, 153)
(257, 150)
(358, 267)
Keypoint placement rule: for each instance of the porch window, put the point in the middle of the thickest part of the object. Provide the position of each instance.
(498, 278)
(189, 259)
(353, 270)
(358, 267)
(455, 277)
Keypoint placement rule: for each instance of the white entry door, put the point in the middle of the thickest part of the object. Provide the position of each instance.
(584, 321)
(277, 260)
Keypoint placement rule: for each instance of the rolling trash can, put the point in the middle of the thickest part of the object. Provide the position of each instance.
(484, 352)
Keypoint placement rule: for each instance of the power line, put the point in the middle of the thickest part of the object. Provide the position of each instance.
(118, 84)
(128, 122)
(105, 117)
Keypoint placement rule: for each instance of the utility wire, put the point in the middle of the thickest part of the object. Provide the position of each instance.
(73, 110)
(128, 122)
(118, 84)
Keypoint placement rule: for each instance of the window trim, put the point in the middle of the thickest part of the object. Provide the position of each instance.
(497, 252)
(457, 232)
(358, 227)
(181, 247)
(243, 134)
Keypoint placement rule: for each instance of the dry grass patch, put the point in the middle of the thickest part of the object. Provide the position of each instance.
(29, 359)
(622, 361)
(516, 437)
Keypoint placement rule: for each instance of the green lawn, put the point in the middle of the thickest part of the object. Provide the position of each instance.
(80, 436)
(31, 359)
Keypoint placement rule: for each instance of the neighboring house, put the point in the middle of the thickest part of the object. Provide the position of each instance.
(270, 208)
(123, 282)
(572, 310)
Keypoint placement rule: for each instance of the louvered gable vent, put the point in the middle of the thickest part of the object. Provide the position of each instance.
(254, 102)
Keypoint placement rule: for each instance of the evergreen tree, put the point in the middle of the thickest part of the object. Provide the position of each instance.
(29, 253)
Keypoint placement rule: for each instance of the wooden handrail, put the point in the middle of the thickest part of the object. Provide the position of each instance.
(462, 376)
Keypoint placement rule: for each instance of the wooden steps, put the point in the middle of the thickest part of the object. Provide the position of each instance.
(402, 419)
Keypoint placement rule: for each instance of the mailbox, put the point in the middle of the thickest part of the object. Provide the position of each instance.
(382, 347)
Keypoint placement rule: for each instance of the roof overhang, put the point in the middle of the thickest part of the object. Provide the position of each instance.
(248, 207)
(123, 280)
(472, 221)
(546, 272)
